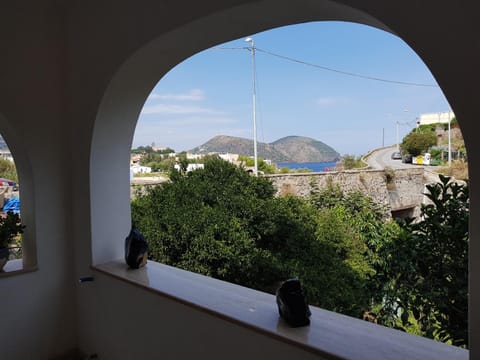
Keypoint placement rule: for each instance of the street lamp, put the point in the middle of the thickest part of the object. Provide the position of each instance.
(252, 49)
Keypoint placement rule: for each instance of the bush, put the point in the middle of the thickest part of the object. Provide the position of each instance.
(425, 269)
(417, 143)
(350, 162)
(210, 221)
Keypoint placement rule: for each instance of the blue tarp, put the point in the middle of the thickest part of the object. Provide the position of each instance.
(12, 204)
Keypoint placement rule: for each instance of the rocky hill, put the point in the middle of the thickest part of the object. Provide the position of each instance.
(288, 149)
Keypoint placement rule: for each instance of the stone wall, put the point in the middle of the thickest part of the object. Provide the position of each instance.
(395, 189)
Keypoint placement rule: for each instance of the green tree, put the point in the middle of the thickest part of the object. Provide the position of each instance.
(150, 157)
(183, 161)
(262, 165)
(222, 222)
(8, 170)
(355, 227)
(210, 221)
(167, 150)
(425, 268)
(351, 162)
(416, 143)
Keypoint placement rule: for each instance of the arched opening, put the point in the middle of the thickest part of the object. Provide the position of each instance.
(130, 87)
(22, 254)
(178, 120)
(119, 110)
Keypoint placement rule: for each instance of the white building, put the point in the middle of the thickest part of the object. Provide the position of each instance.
(435, 118)
(5, 154)
(139, 169)
(233, 158)
(191, 156)
(190, 167)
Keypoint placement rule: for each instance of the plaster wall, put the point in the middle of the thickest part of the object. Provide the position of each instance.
(38, 308)
(131, 323)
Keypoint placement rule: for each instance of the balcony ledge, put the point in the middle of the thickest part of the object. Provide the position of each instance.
(16, 267)
(329, 335)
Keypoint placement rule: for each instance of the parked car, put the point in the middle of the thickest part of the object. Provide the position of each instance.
(396, 155)
(407, 159)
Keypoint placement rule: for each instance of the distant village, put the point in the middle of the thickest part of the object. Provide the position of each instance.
(194, 160)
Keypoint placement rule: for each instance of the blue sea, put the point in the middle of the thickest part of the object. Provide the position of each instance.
(314, 166)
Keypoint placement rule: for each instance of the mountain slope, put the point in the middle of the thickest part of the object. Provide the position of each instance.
(304, 149)
(287, 149)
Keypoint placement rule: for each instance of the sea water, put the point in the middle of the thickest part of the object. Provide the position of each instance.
(313, 166)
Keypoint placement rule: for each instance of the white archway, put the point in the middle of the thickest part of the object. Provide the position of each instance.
(131, 85)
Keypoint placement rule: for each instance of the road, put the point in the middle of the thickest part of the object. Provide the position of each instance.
(381, 158)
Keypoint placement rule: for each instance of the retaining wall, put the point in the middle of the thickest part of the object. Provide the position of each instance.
(394, 189)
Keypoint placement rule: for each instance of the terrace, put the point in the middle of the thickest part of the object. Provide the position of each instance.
(78, 75)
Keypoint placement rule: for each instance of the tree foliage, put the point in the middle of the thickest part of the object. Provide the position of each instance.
(355, 227)
(416, 142)
(222, 222)
(351, 162)
(149, 150)
(425, 269)
(262, 165)
(210, 221)
(8, 170)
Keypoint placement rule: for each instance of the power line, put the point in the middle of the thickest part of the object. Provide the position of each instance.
(331, 69)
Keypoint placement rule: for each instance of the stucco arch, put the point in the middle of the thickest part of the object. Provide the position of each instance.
(133, 81)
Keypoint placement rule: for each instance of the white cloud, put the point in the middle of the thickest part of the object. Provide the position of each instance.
(172, 109)
(192, 95)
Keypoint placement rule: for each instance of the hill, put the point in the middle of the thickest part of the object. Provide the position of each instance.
(288, 149)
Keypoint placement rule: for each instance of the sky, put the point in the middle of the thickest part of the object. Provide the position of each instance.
(211, 93)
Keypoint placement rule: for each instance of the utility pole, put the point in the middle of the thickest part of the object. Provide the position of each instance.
(398, 146)
(255, 157)
(398, 123)
(383, 137)
(449, 142)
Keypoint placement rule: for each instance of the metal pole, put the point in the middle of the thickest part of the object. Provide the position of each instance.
(255, 157)
(449, 142)
(398, 146)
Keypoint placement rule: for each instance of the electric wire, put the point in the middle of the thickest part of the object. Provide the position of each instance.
(326, 68)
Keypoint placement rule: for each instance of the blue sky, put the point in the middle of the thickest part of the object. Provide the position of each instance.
(211, 93)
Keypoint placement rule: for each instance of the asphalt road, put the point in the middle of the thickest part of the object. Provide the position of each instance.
(381, 158)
